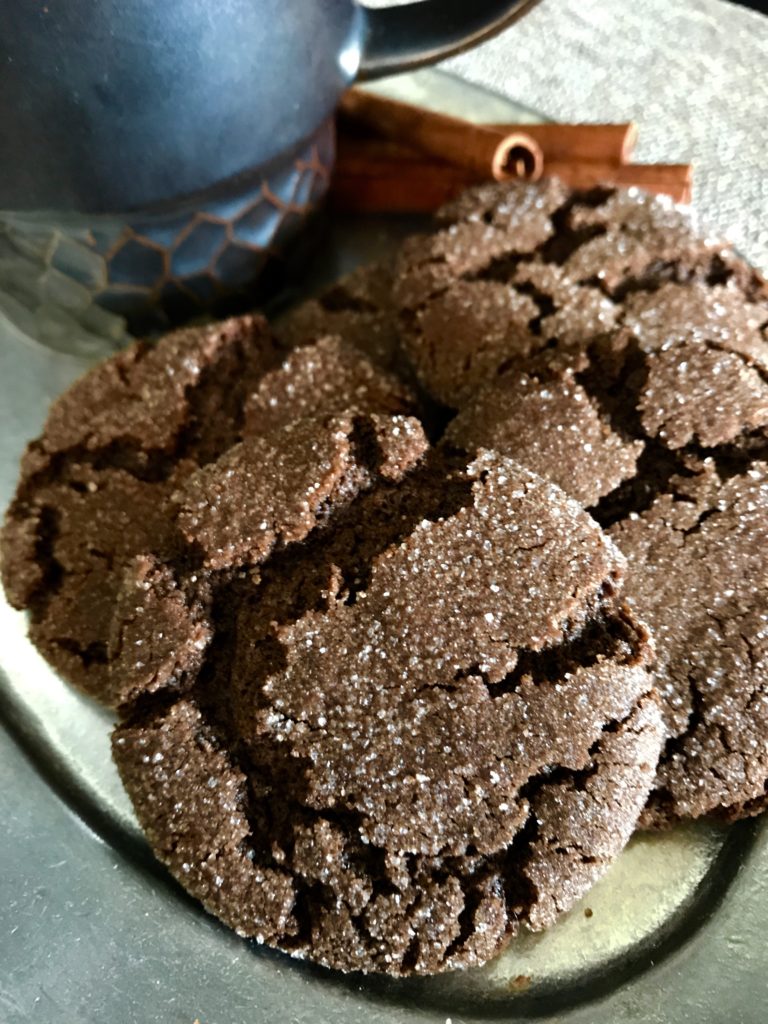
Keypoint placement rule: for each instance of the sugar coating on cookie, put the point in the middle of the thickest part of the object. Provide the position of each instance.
(327, 376)
(553, 426)
(660, 427)
(419, 724)
(511, 268)
(698, 562)
(94, 487)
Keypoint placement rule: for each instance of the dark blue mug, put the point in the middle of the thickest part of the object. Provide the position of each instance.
(182, 145)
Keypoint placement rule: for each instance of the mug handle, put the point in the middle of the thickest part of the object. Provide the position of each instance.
(406, 37)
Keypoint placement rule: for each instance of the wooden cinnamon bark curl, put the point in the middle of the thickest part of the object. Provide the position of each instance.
(484, 150)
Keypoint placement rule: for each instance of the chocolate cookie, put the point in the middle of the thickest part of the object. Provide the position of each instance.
(660, 428)
(513, 269)
(359, 309)
(699, 571)
(95, 485)
(422, 718)
(553, 425)
(328, 376)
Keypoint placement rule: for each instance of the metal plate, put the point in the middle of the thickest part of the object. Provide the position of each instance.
(95, 931)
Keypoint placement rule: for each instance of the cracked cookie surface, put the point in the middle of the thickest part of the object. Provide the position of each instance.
(698, 569)
(513, 269)
(659, 426)
(118, 443)
(382, 705)
(416, 726)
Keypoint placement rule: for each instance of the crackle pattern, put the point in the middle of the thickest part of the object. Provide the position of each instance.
(707, 541)
(327, 376)
(510, 270)
(342, 659)
(659, 425)
(579, 451)
(423, 717)
(121, 440)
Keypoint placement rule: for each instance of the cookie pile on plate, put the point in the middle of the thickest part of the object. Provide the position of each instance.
(639, 384)
(412, 608)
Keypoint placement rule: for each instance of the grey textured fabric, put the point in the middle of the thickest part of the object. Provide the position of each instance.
(692, 73)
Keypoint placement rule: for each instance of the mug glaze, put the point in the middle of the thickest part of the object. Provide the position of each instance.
(187, 144)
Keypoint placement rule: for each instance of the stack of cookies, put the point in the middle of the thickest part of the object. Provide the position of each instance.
(413, 607)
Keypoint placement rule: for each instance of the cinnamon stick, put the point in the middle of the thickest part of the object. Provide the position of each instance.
(397, 157)
(426, 130)
(369, 155)
(384, 194)
(674, 180)
(594, 143)
(381, 176)
(483, 150)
